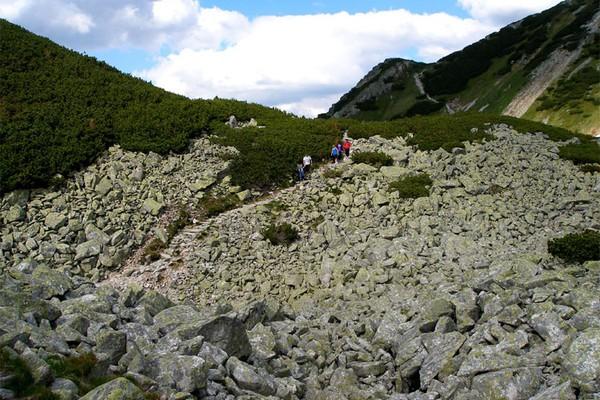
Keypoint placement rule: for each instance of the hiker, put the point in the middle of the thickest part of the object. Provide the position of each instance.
(340, 151)
(334, 154)
(307, 162)
(300, 170)
(346, 146)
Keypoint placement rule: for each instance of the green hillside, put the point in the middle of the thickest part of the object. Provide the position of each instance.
(507, 73)
(59, 110)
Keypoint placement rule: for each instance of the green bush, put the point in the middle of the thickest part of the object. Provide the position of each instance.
(590, 168)
(374, 158)
(412, 187)
(581, 153)
(280, 234)
(153, 250)
(579, 247)
(212, 206)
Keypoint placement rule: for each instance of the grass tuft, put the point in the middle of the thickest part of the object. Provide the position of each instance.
(412, 187)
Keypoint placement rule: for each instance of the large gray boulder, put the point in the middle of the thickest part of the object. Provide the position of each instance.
(184, 373)
(229, 334)
(119, 388)
(582, 361)
(249, 378)
(48, 283)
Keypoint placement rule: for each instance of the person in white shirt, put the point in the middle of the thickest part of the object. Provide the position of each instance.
(307, 162)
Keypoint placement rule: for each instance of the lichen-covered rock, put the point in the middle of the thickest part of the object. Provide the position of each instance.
(229, 334)
(117, 389)
(582, 361)
(48, 283)
(250, 379)
(183, 373)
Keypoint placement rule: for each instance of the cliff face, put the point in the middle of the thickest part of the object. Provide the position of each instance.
(544, 67)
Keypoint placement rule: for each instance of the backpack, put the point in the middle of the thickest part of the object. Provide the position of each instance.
(334, 152)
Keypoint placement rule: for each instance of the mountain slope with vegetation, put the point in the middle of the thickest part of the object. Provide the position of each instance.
(60, 110)
(544, 67)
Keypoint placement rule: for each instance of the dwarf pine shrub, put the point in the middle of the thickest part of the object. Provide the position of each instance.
(577, 247)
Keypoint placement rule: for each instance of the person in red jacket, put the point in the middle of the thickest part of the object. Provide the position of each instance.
(346, 146)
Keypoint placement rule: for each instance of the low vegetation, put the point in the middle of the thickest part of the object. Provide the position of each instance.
(374, 158)
(283, 234)
(590, 168)
(581, 153)
(578, 247)
(20, 380)
(211, 206)
(412, 187)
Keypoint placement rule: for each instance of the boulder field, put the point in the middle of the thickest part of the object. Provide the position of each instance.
(450, 296)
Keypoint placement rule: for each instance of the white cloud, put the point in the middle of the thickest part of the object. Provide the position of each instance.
(11, 9)
(303, 64)
(168, 12)
(502, 12)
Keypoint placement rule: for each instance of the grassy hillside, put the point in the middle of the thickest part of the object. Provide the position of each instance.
(489, 74)
(59, 110)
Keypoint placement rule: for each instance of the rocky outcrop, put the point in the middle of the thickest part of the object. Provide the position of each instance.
(109, 209)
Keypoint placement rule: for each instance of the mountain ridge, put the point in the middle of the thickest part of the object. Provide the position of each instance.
(516, 71)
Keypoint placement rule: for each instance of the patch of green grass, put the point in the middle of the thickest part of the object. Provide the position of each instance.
(578, 247)
(412, 187)
(276, 206)
(212, 206)
(581, 153)
(20, 380)
(332, 173)
(283, 234)
(374, 158)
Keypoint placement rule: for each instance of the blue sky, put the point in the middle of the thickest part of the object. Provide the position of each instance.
(300, 56)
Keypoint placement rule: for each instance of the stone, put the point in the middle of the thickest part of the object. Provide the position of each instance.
(229, 334)
(88, 249)
(549, 326)
(248, 377)
(170, 318)
(104, 186)
(40, 370)
(64, 389)
(394, 172)
(183, 373)
(14, 214)
(119, 388)
(244, 195)
(560, 392)
(202, 184)
(152, 207)
(262, 340)
(380, 199)
(48, 283)
(508, 384)
(154, 302)
(440, 350)
(55, 220)
(368, 368)
(582, 361)
(111, 343)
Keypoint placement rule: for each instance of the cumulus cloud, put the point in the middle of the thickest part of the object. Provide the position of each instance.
(502, 12)
(301, 63)
(304, 63)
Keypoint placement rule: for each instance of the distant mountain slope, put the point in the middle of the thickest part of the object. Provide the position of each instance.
(544, 67)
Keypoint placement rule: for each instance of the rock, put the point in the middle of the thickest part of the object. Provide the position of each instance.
(111, 343)
(229, 334)
(88, 249)
(359, 170)
(244, 195)
(104, 186)
(582, 361)
(55, 220)
(202, 184)
(232, 122)
(154, 302)
(262, 340)
(184, 373)
(368, 368)
(508, 384)
(64, 389)
(152, 207)
(440, 350)
(48, 283)
(248, 378)
(560, 392)
(40, 370)
(380, 199)
(394, 172)
(119, 388)
(169, 319)
(549, 327)
(15, 213)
